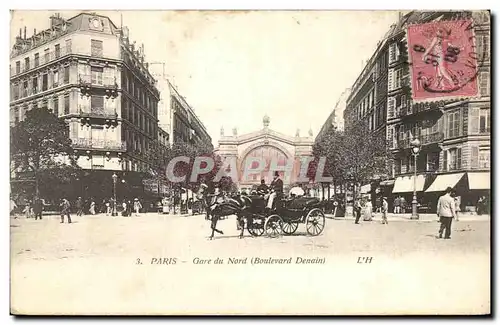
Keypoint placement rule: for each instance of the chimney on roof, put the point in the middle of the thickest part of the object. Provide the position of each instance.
(20, 33)
(24, 32)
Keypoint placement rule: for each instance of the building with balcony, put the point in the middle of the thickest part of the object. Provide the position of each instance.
(336, 117)
(176, 115)
(87, 72)
(454, 134)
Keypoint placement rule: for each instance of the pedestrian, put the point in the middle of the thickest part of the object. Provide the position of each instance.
(385, 209)
(13, 208)
(79, 206)
(92, 207)
(368, 211)
(65, 210)
(27, 210)
(129, 208)
(125, 210)
(457, 204)
(108, 208)
(37, 208)
(357, 210)
(397, 205)
(446, 213)
(137, 206)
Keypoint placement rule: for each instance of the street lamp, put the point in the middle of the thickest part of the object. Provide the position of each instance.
(415, 149)
(115, 178)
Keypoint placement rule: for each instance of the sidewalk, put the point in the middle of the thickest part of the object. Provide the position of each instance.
(426, 217)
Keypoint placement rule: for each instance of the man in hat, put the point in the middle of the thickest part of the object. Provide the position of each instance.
(446, 213)
(262, 188)
(385, 209)
(65, 209)
(137, 206)
(276, 189)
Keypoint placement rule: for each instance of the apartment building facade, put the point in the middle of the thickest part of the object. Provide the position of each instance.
(87, 72)
(454, 134)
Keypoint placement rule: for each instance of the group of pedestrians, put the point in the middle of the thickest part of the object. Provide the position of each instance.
(366, 208)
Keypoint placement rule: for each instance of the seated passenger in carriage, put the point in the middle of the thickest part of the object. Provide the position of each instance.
(262, 189)
(276, 190)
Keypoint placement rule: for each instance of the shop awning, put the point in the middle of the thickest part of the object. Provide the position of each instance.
(479, 181)
(443, 181)
(404, 184)
(365, 189)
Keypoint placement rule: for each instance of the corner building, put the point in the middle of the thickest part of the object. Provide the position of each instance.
(87, 72)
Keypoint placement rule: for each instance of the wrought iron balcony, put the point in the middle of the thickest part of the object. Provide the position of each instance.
(44, 58)
(98, 112)
(99, 144)
(424, 140)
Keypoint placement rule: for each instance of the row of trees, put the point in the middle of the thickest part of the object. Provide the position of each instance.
(355, 156)
(43, 158)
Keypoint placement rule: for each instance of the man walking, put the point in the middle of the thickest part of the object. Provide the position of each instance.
(65, 207)
(385, 209)
(37, 208)
(357, 210)
(79, 206)
(446, 213)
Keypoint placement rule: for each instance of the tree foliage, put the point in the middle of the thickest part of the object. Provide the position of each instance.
(40, 146)
(355, 155)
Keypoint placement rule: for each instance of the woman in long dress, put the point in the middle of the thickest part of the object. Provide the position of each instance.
(92, 207)
(367, 215)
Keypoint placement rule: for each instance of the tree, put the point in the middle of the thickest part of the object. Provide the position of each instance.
(40, 145)
(364, 154)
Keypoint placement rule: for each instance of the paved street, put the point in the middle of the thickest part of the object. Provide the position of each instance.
(90, 267)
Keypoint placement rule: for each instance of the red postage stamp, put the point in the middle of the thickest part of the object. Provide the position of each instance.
(443, 60)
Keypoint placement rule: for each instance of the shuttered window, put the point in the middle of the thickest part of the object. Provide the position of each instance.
(390, 80)
(474, 120)
(391, 105)
(445, 160)
(474, 156)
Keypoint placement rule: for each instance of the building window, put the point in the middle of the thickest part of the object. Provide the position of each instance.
(432, 163)
(26, 64)
(46, 55)
(45, 82)
(58, 50)
(484, 47)
(16, 116)
(97, 102)
(484, 83)
(18, 66)
(484, 158)
(37, 60)
(454, 124)
(68, 46)
(484, 120)
(454, 159)
(25, 88)
(66, 75)
(96, 75)
(96, 48)
(35, 85)
(55, 105)
(66, 104)
(398, 77)
(55, 78)
(15, 91)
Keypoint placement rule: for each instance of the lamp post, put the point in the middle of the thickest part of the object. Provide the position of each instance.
(415, 149)
(115, 178)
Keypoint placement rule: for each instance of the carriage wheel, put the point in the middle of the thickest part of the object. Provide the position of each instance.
(315, 222)
(256, 229)
(289, 228)
(272, 227)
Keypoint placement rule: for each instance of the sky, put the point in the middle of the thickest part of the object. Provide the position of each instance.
(235, 67)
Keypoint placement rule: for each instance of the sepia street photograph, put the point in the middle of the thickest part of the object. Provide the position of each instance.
(250, 162)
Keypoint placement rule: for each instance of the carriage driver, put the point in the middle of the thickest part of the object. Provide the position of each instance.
(276, 189)
(262, 188)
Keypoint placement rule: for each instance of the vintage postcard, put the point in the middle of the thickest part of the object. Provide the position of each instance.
(250, 162)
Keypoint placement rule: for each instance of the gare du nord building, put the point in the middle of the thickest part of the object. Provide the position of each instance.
(269, 145)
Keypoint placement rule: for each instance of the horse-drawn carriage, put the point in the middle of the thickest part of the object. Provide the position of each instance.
(283, 219)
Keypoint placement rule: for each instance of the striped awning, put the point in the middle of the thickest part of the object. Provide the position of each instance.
(443, 181)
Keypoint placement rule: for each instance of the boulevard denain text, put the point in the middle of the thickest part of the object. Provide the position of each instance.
(258, 260)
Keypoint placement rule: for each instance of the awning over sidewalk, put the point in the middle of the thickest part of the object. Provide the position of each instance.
(443, 181)
(365, 189)
(479, 180)
(404, 184)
